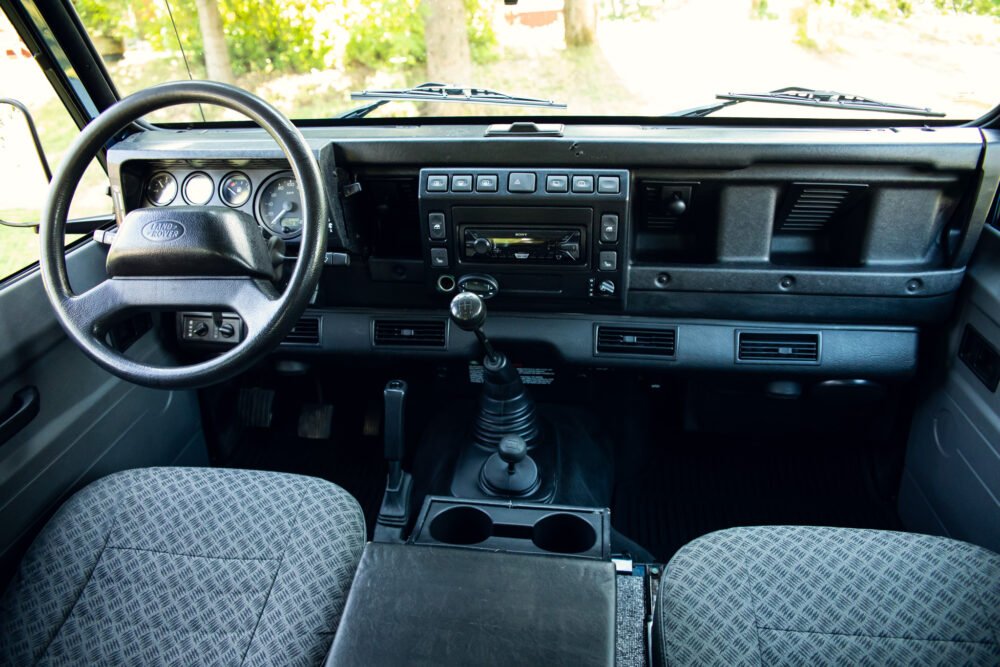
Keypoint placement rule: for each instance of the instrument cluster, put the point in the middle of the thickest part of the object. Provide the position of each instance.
(271, 197)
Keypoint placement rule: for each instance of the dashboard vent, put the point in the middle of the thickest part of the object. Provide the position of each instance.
(810, 207)
(410, 333)
(778, 346)
(305, 332)
(634, 340)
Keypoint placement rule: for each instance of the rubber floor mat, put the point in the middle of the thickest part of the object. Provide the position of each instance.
(697, 484)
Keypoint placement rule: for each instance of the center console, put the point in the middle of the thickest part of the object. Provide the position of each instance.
(530, 233)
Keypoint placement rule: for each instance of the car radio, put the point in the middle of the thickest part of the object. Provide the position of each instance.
(539, 235)
(514, 245)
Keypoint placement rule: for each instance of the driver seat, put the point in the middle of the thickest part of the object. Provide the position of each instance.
(186, 566)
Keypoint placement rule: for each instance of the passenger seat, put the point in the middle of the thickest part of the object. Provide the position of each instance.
(815, 596)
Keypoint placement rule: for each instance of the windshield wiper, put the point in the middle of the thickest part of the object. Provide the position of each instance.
(808, 97)
(440, 92)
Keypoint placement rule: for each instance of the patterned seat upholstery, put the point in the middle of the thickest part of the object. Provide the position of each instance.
(189, 566)
(829, 596)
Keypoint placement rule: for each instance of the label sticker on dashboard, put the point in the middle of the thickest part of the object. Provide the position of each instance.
(536, 376)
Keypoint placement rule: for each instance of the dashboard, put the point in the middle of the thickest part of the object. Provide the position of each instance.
(786, 250)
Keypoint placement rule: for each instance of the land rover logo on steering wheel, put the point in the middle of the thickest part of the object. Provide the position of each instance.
(163, 230)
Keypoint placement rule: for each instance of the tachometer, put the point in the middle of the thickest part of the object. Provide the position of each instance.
(161, 189)
(279, 208)
(235, 189)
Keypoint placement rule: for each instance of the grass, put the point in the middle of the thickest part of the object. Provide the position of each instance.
(18, 249)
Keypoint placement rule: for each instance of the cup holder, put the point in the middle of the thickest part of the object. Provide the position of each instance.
(563, 533)
(462, 525)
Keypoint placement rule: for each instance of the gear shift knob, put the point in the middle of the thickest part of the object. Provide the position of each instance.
(468, 311)
(512, 450)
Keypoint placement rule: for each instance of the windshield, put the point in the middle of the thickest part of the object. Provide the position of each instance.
(598, 57)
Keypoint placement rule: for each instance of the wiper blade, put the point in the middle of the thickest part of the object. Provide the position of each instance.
(440, 92)
(827, 99)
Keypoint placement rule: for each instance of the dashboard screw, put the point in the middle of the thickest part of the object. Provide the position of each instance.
(786, 282)
(663, 279)
(914, 285)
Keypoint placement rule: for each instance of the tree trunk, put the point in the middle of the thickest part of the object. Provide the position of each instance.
(580, 19)
(446, 36)
(213, 40)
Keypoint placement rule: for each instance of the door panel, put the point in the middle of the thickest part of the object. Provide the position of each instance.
(90, 423)
(951, 482)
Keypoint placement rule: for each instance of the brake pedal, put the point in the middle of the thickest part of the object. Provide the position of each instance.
(254, 407)
(316, 421)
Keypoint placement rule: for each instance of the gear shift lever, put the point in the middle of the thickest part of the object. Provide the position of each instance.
(505, 407)
(468, 312)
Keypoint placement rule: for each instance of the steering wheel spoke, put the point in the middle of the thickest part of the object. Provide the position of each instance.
(100, 307)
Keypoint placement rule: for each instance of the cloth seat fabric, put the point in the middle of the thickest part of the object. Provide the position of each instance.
(794, 595)
(192, 566)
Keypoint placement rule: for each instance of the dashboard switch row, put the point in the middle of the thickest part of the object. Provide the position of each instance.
(464, 183)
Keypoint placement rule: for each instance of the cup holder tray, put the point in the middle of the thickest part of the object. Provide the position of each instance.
(529, 528)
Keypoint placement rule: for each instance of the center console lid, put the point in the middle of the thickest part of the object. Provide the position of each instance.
(422, 605)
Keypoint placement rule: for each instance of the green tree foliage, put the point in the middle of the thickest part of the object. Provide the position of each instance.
(391, 32)
(981, 7)
(882, 9)
(290, 35)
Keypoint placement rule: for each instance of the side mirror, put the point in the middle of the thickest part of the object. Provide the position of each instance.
(26, 178)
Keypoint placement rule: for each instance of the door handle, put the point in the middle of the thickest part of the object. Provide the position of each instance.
(23, 407)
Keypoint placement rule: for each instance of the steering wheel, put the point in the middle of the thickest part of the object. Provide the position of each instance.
(185, 258)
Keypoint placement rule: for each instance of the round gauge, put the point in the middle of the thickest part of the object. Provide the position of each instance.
(235, 189)
(161, 189)
(198, 189)
(279, 208)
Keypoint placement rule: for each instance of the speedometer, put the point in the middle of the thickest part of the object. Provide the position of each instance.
(279, 207)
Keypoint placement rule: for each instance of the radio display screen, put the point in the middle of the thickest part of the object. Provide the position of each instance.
(526, 243)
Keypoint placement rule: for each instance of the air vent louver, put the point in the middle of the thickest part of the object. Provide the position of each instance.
(305, 332)
(810, 207)
(779, 346)
(411, 333)
(635, 340)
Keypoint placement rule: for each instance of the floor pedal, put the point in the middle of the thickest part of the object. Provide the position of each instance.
(316, 421)
(254, 407)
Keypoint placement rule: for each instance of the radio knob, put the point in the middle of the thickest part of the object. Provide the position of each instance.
(482, 246)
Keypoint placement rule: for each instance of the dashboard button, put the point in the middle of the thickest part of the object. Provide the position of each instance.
(461, 183)
(487, 183)
(608, 185)
(437, 183)
(607, 288)
(583, 184)
(521, 181)
(557, 183)
(439, 257)
(608, 260)
(609, 228)
(436, 226)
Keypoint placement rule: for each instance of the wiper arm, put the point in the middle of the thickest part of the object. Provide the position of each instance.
(440, 92)
(808, 97)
